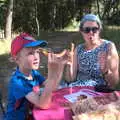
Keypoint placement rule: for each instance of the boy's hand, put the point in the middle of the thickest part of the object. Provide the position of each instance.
(45, 52)
(56, 65)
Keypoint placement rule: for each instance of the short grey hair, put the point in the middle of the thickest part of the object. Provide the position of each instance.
(90, 17)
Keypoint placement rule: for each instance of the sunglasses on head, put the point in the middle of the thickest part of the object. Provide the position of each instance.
(28, 38)
(88, 29)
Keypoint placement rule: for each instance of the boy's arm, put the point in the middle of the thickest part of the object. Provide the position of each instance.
(55, 72)
(43, 100)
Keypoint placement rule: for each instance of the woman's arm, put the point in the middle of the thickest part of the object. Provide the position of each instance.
(71, 67)
(112, 76)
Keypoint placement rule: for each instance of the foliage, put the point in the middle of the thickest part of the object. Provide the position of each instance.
(50, 15)
(112, 33)
(109, 11)
(3, 6)
(23, 17)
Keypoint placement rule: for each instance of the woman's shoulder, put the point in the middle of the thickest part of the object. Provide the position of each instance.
(80, 46)
(105, 41)
(109, 44)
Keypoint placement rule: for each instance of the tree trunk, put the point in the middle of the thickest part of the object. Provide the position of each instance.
(98, 8)
(36, 19)
(8, 25)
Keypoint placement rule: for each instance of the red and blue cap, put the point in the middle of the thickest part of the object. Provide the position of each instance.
(25, 40)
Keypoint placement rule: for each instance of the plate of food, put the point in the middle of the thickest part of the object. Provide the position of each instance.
(97, 108)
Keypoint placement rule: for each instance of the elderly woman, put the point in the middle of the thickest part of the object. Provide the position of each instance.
(94, 62)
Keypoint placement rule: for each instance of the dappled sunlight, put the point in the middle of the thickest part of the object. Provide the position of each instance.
(4, 46)
(113, 27)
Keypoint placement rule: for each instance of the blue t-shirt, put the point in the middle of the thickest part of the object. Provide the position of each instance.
(18, 87)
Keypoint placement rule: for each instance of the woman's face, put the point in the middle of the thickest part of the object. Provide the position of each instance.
(90, 32)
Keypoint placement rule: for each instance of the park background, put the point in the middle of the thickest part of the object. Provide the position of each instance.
(56, 21)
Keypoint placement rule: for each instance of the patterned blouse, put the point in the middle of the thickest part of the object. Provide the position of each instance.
(89, 71)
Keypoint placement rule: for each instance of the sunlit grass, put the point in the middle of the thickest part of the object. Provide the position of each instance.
(114, 27)
(110, 33)
(4, 46)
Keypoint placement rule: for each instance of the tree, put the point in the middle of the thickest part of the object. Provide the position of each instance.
(34, 16)
(8, 25)
(36, 19)
(2, 13)
(109, 11)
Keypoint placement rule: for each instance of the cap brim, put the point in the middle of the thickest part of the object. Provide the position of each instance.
(36, 43)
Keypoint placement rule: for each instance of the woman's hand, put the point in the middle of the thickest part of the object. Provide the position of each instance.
(71, 54)
(110, 65)
(102, 58)
(71, 67)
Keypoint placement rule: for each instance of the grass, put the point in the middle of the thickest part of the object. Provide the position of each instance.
(4, 46)
(111, 33)
(58, 39)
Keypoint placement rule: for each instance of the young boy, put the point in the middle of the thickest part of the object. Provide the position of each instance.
(25, 82)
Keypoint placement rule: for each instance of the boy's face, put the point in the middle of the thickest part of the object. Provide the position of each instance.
(28, 59)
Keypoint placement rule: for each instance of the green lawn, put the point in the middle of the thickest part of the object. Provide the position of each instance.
(57, 40)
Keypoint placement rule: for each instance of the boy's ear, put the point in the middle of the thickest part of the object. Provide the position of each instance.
(15, 58)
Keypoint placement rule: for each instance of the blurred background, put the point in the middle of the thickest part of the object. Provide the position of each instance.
(56, 21)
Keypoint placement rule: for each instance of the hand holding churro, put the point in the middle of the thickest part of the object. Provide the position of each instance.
(64, 55)
(72, 47)
(46, 51)
(71, 53)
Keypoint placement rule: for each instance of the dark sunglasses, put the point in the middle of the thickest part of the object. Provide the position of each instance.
(88, 29)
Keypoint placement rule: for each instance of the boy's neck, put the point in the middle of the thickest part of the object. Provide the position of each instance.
(29, 77)
(27, 74)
